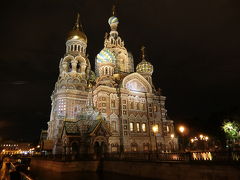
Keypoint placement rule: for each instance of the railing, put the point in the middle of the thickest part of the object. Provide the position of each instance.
(22, 174)
(155, 157)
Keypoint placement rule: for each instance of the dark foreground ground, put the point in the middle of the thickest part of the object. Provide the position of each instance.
(82, 176)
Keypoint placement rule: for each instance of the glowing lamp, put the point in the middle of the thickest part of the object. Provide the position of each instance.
(155, 128)
(181, 129)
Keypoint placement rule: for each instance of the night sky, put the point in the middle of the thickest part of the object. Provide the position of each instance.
(194, 47)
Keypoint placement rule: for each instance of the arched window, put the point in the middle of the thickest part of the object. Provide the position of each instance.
(114, 147)
(105, 70)
(69, 66)
(138, 106)
(78, 67)
(145, 147)
(131, 127)
(134, 147)
(143, 127)
(143, 107)
(132, 105)
(113, 103)
(114, 126)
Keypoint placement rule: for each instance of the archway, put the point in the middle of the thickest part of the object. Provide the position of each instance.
(75, 148)
(100, 148)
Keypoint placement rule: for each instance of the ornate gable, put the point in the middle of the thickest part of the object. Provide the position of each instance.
(136, 82)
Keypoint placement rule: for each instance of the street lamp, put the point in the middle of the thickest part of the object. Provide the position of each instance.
(182, 130)
(155, 131)
(172, 141)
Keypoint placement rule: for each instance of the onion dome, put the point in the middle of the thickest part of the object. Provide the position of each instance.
(144, 66)
(106, 56)
(76, 33)
(92, 76)
(113, 20)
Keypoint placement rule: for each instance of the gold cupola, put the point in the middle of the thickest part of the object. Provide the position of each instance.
(76, 33)
(144, 67)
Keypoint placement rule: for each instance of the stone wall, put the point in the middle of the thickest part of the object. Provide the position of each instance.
(174, 170)
(160, 170)
(58, 166)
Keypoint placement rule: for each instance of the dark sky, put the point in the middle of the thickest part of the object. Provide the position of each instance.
(193, 45)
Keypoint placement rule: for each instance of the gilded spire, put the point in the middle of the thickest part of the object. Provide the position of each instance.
(77, 21)
(143, 52)
(113, 10)
(77, 31)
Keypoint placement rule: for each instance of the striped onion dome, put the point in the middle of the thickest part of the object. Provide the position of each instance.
(113, 20)
(106, 56)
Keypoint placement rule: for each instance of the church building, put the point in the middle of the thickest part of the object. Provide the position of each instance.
(114, 109)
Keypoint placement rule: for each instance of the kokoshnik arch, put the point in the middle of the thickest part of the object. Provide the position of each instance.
(111, 110)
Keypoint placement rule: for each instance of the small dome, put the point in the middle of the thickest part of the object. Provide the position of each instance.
(106, 56)
(113, 21)
(144, 67)
(76, 34)
(92, 76)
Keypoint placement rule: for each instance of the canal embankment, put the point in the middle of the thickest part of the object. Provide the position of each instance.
(155, 170)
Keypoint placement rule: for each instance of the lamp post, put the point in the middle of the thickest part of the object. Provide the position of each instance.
(173, 144)
(155, 131)
(182, 130)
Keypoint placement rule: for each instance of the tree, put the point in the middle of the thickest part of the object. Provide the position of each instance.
(231, 129)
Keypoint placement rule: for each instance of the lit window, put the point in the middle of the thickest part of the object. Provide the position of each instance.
(145, 147)
(138, 127)
(114, 149)
(113, 104)
(138, 106)
(134, 147)
(167, 128)
(113, 125)
(155, 108)
(103, 104)
(144, 127)
(131, 126)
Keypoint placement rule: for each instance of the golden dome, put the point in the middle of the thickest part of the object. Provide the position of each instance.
(76, 33)
(144, 66)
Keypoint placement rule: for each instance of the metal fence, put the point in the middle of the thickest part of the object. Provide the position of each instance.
(233, 156)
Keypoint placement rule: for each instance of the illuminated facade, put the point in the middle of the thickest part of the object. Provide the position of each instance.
(111, 110)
